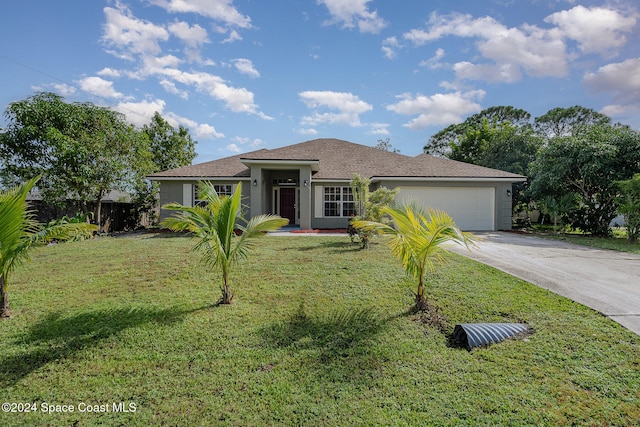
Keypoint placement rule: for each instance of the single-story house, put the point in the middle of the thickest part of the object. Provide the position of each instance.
(308, 183)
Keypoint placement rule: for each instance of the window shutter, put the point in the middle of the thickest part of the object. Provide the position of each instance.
(319, 196)
(187, 194)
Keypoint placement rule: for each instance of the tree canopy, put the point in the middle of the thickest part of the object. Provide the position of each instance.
(588, 165)
(573, 153)
(442, 142)
(568, 121)
(83, 151)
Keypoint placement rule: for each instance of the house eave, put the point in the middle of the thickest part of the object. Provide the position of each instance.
(447, 178)
(282, 163)
(198, 178)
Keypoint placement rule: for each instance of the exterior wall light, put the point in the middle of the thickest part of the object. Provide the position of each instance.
(306, 183)
(508, 193)
(255, 182)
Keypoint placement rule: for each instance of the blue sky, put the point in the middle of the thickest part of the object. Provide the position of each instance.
(249, 74)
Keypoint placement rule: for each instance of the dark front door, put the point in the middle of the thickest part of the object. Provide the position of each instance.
(288, 204)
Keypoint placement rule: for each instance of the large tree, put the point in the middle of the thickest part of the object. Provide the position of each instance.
(81, 150)
(587, 165)
(629, 205)
(169, 148)
(568, 121)
(442, 142)
(498, 137)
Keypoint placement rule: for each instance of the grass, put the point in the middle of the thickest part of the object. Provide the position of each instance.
(617, 242)
(319, 334)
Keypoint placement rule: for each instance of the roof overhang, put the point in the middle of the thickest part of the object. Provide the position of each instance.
(198, 178)
(283, 163)
(448, 178)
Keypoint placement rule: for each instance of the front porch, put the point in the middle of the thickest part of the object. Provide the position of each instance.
(282, 187)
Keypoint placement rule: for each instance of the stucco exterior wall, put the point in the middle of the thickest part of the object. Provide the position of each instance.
(311, 201)
(318, 220)
(502, 195)
(182, 191)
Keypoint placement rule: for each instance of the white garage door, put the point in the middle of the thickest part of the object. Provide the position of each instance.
(470, 207)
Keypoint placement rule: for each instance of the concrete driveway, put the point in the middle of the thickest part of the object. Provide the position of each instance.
(606, 281)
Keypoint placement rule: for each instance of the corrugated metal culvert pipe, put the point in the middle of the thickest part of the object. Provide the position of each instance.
(478, 334)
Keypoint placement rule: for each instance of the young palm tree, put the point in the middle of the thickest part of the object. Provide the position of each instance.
(19, 232)
(417, 236)
(214, 225)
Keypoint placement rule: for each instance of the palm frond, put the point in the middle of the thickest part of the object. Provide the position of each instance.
(214, 226)
(16, 224)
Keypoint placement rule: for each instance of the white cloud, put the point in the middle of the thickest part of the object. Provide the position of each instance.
(379, 129)
(133, 38)
(200, 131)
(130, 35)
(348, 105)
(512, 51)
(218, 10)
(457, 24)
(171, 87)
(64, 89)
(342, 101)
(253, 144)
(389, 47)
(492, 73)
(238, 100)
(153, 65)
(438, 109)
(307, 131)
(234, 148)
(597, 29)
(245, 66)
(140, 113)
(352, 13)
(109, 72)
(621, 79)
(205, 131)
(433, 63)
(191, 36)
(99, 87)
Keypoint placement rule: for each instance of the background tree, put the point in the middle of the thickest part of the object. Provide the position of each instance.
(385, 144)
(19, 232)
(84, 151)
(169, 148)
(568, 121)
(214, 226)
(442, 142)
(629, 205)
(558, 207)
(416, 239)
(500, 138)
(587, 164)
(81, 150)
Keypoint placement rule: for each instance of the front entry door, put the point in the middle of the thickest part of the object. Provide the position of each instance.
(288, 204)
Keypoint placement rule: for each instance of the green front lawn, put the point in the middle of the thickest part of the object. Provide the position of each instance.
(319, 334)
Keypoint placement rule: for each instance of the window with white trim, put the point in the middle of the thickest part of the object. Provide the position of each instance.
(221, 189)
(338, 202)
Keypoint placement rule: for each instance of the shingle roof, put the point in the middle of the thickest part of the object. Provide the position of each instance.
(339, 159)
